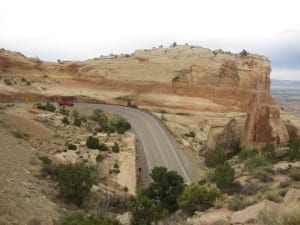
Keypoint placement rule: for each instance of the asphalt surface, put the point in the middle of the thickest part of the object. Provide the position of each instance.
(156, 146)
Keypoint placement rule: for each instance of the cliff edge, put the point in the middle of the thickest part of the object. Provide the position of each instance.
(229, 82)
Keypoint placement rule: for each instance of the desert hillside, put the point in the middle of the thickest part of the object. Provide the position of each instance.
(217, 105)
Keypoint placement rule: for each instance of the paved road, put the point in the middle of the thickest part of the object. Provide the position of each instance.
(158, 147)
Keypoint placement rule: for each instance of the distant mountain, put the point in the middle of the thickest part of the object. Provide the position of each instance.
(285, 84)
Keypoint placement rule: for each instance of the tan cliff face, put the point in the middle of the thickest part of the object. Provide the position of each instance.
(234, 81)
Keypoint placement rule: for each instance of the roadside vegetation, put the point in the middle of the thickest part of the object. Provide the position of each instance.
(257, 167)
(47, 107)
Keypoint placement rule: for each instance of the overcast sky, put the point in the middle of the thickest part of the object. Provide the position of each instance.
(81, 29)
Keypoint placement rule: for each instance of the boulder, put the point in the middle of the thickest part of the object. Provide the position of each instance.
(250, 214)
(125, 219)
(292, 196)
(219, 217)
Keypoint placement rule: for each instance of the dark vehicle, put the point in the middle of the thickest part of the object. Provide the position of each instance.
(66, 101)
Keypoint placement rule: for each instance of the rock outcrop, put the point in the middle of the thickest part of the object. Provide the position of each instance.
(236, 81)
(251, 213)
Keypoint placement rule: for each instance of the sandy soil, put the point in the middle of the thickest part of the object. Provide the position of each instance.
(24, 198)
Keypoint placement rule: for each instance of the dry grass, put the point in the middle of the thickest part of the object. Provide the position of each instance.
(288, 217)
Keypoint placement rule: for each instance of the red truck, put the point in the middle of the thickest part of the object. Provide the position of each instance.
(66, 101)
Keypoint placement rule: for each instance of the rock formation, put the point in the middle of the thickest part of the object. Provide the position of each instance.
(238, 82)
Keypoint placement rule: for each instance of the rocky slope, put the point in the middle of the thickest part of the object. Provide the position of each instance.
(180, 77)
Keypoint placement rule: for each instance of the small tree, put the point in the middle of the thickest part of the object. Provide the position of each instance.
(214, 158)
(197, 198)
(224, 176)
(92, 142)
(72, 147)
(166, 187)
(121, 125)
(115, 148)
(244, 52)
(65, 121)
(145, 210)
(75, 182)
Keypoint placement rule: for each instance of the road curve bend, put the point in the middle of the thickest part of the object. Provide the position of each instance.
(158, 146)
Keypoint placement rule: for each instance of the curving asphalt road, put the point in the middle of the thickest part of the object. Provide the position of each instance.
(158, 147)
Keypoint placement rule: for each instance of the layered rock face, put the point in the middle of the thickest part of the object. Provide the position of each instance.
(239, 82)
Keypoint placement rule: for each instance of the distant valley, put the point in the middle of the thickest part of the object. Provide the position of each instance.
(287, 94)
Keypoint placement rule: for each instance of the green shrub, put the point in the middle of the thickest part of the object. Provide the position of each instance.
(246, 153)
(197, 198)
(256, 161)
(72, 147)
(45, 159)
(244, 53)
(19, 134)
(75, 182)
(81, 219)
(64, 111)
(210, 175)
(144, 211)
(100, 117)
(235, 204)
(7, 82)
(115, 148)
(99, 158)
(262, 175)
(50, 169)
(295, 174)
(103, 147)
(48, 107)
(92, 142)
(65, 120)
(294, 150)
(214, 158)
(116, 166)
(273, 196)
(121, 125)
(224, 176)
(77, 121)
(268, 151)
(190, 134)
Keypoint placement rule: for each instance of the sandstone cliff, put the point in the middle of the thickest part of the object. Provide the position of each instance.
(234, 81)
